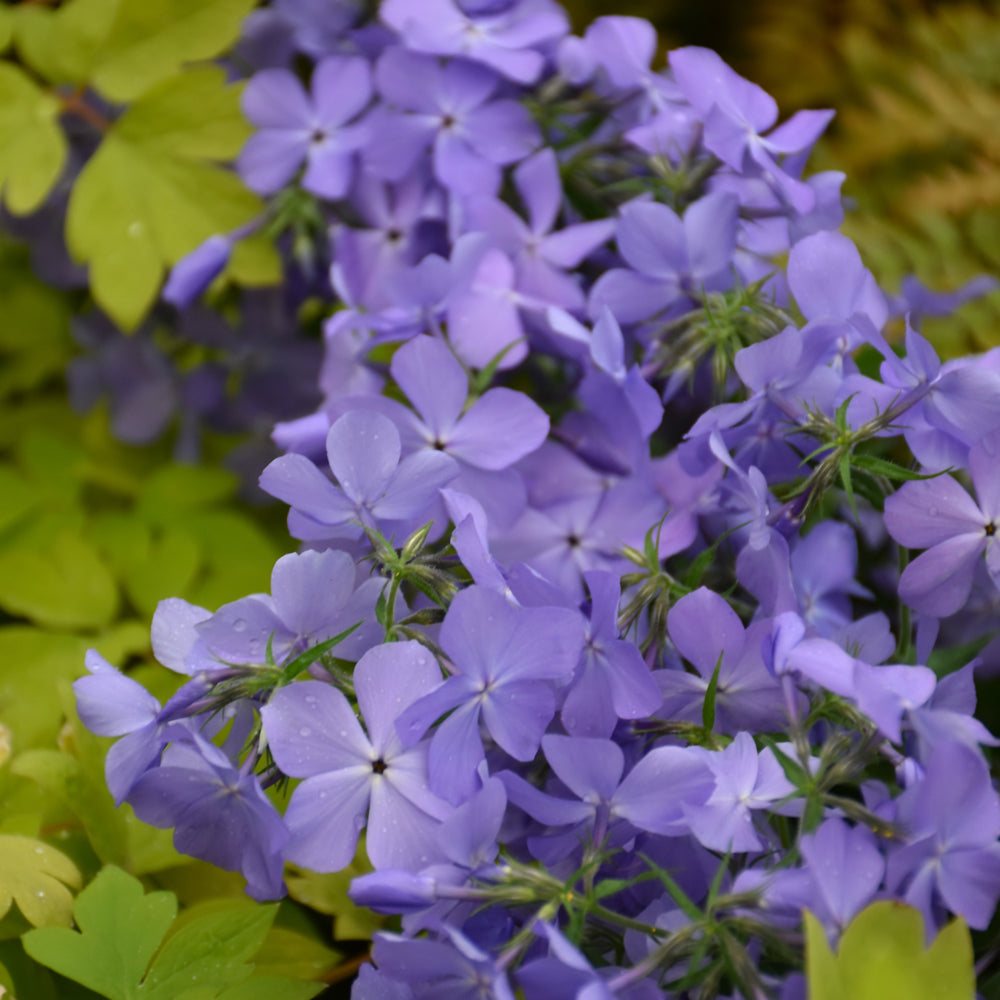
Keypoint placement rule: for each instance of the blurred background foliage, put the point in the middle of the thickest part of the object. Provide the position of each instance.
(916, 88)
(93, 532)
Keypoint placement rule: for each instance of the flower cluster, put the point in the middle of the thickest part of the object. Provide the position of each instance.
(602, 629)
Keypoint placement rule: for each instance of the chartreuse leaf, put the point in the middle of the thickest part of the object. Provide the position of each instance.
(62, 582)
(237, 555)
(35, 343)
(6, 27)
(29, 979)
(151, 564)
(30, 707)
(85, 795)
(32, 146)
(123, 47)
(271, 988)
(882, 955)
(174, 487)
(213, 950)
(150, 40)
(287, 952)
(120, 929)
(61, 44)
(153, 192)
(35, 876)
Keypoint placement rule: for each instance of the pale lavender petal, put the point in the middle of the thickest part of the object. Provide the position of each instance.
(547, 809)
(363, 449)
(409, 79)
(723, 827)
(799, 132)
(455, 752)
(238, 632)
(969, 883)
(399, 834)
(705, 647)
(395, 143)
(537, 181)
(329, 170)
(174, 633)
(607, 346)
(652, 239)
(407, 773)
(654, 792)
(516, 715)
(325, 816)
(625, 47)
(634, 692)
(501, 427)
(846, 864)
(130, 758)
(459, 167)
(111, 704)
(926, 512)
(585, 766)
(341, 87)
(307, 587)
(472, 648)
(705, 79)
(433, 381)
(275, 99)
(415, 485)
(465, 85)
(483, 324)
(710, 230)
(824, 663)
(965, 399)
(311, 729)
(631, 296)
(984, 468)
(389, 678)
(503, 132)
(505, 227)
(829, 280)
(938, 581)
(270, 158)
(568, 247)
(296, 481)
(545, 644)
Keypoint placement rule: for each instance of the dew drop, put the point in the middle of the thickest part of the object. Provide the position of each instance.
(305, 731)
(239, 625)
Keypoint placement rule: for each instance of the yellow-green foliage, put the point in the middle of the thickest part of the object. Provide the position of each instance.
(917, 94)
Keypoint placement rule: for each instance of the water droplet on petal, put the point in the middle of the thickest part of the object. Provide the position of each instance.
(239, 625)
(305, 731)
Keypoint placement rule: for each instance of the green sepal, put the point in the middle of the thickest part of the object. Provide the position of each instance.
(893, 472)
(708, 707)
(305, 660)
